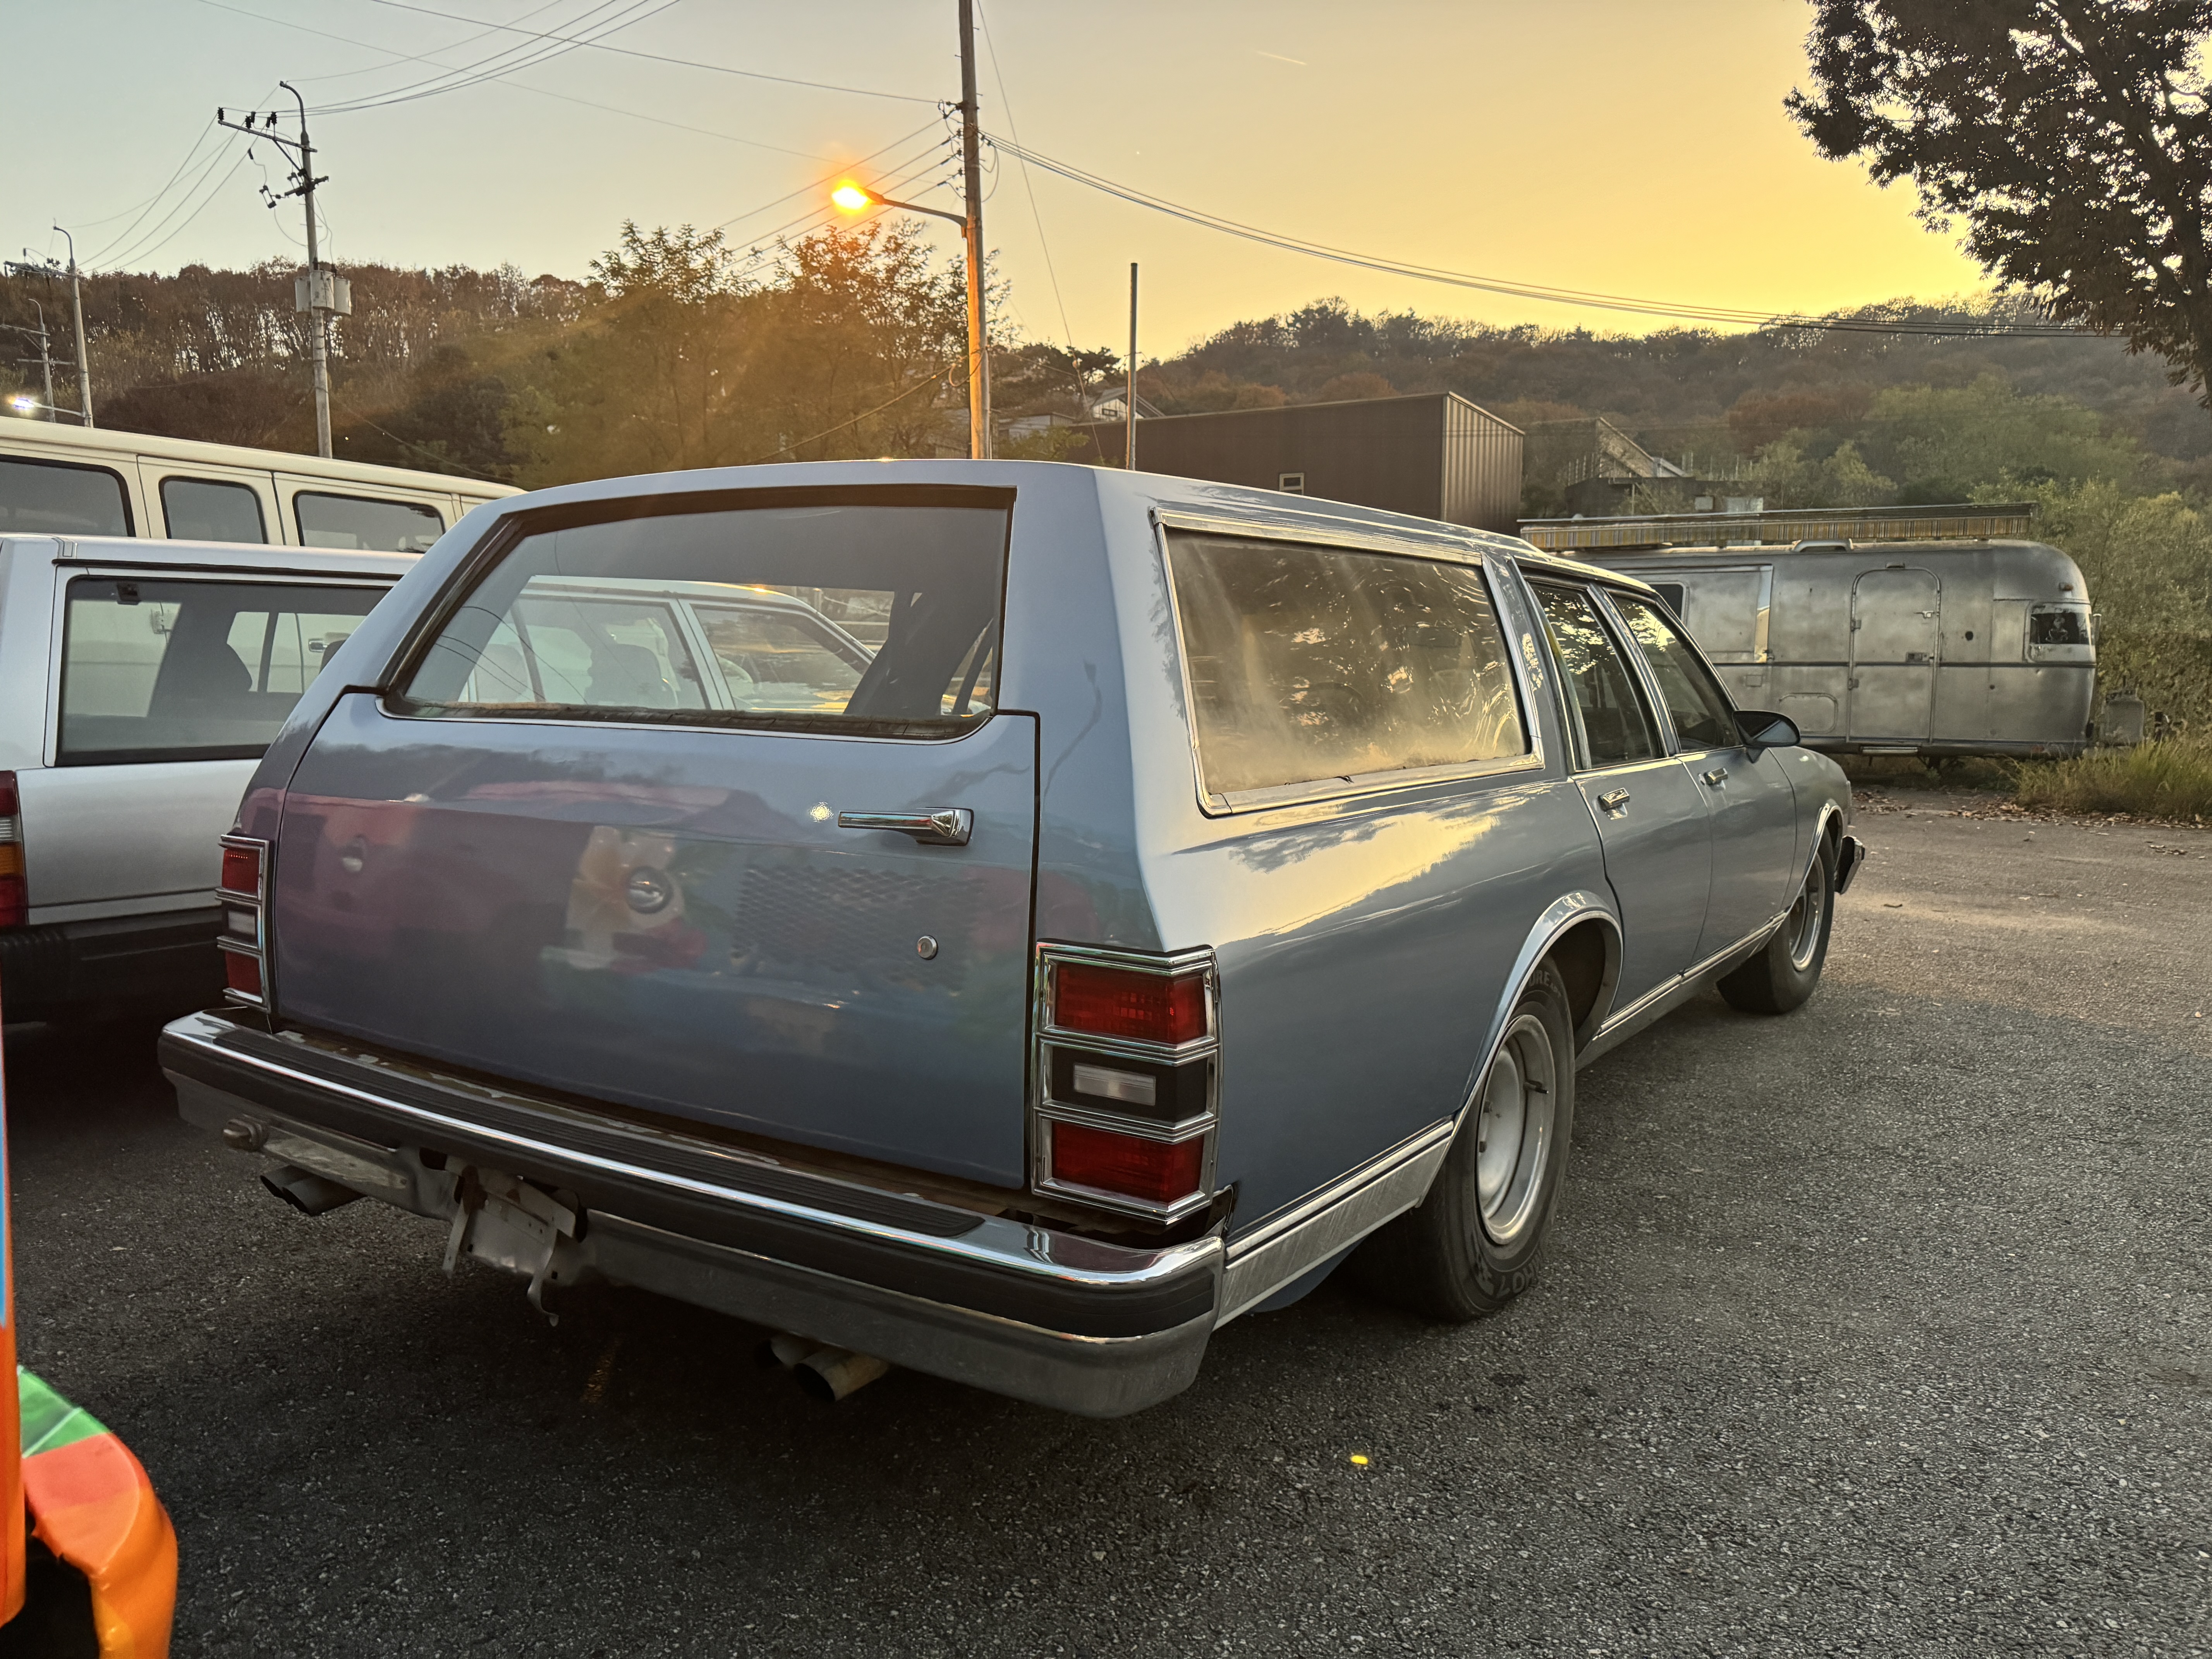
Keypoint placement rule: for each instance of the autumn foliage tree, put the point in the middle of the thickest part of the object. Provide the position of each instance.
(2074, 137)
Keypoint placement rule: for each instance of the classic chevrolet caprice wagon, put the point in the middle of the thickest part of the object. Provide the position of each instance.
(1001, 919)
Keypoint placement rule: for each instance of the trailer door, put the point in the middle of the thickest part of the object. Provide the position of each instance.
(1897, 618)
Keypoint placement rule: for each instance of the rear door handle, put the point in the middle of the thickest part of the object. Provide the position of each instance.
(1613, 799)
(1718, 776)
(945, 826)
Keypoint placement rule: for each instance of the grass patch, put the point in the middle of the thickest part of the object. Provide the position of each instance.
(2169, 779)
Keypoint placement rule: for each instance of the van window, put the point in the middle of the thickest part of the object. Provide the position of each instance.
(594, 618)
(53, 498)
(1703, 716)
(2058, 624)
(211, 510)
(163, 670)
(361, 523)
(1311, 664)
(1603, 690)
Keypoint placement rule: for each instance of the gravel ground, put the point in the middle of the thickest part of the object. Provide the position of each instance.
(1882, 1327)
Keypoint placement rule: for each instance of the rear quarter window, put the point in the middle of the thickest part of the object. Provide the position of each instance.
(192, 670)
(1313, 667)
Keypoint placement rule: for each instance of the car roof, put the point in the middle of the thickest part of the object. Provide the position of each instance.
(144, 553)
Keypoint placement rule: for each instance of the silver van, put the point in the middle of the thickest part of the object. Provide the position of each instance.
(1934, 647)
(1003, 919)
(139, 683)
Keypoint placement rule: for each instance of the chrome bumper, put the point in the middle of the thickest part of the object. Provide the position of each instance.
(1022, 1310)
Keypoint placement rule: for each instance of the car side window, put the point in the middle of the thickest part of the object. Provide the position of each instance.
(1703, 717)
(1603, 691)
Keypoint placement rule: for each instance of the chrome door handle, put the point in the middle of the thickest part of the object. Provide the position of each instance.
(1718, 776)
(1613, 799)
(947, 826)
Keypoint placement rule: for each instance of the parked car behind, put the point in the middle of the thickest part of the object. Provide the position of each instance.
(139, 683)
(1129, 895)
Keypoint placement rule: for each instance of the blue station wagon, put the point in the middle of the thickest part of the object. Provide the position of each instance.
(1006, 920)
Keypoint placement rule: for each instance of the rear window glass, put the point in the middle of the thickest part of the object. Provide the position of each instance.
(192, 670)
(847, 614)
(211, 510)
(2058, 624)
(1313, 665)
(52, 498)
(361, 523)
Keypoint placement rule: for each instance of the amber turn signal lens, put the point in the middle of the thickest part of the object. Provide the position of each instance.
(1120, 1003)
(1157, 1171)
(241, 869)
(242, 973)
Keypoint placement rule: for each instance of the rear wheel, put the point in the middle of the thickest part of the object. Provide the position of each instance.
(1474, 1243)
(1783, 974)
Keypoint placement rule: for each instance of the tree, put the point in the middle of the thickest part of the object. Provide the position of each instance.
(2073, 137)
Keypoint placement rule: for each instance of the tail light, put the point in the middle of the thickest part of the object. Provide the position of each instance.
(1128, 1079)
(15, 892)
(243, 892)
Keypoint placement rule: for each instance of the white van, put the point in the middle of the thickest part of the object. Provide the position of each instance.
(139, 683)
(65, 481)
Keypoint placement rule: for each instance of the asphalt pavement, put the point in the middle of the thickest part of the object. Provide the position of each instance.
(1885, 1327)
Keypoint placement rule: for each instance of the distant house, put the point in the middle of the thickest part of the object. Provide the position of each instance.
(1437, 455)
(1114, 405)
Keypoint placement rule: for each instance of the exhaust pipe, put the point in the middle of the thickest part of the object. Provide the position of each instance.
(830, 1374)
(305, 1191)
(785, 1350)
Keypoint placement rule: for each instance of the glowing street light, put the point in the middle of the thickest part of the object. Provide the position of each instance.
(23, 404)
(850, 198)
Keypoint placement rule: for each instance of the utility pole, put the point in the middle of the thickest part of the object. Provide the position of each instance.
(33, 265)
(46, 358)
(83, 357)
(1129, 413)
(979, 349)
(321, 292)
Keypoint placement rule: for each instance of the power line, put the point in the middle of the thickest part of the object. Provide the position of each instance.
(659, 57)
(520, 86)
(143, 248)
(998, 74)
(508, 60)
(1725, 315)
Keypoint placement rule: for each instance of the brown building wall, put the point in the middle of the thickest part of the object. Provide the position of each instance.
(1435, 456)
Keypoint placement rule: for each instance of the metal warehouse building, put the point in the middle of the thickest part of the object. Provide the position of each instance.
(1438, 456)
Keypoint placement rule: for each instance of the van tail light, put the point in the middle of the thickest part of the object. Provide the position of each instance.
(14, 891)
(1127, 1079)
(243, 892)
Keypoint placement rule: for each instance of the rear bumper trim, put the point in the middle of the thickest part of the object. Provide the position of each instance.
(1013, 1288)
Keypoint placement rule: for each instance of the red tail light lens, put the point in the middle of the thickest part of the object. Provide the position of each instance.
(1157, 1171)
(14, 892)
(241, 870)
(1118, 1003)
(242, 973)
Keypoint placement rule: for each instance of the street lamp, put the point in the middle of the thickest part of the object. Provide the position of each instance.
(850, 198)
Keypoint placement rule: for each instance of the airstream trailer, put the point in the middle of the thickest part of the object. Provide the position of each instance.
(1935, 644)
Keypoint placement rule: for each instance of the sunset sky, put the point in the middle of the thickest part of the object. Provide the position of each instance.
(1595, 144)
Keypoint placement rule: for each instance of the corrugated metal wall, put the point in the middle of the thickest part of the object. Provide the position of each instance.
(1436, 456)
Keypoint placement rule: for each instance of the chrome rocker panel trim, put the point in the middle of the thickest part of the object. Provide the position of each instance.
(1091, 1374)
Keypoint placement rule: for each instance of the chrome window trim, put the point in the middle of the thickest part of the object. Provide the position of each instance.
(1321, 529)
(1045, 1111)
(1358, 784)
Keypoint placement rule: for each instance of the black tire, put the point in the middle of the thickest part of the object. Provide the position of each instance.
(1783, 974)
(1447, 1258)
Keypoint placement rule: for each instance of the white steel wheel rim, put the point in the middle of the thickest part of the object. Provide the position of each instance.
(1513, 1123)
(1805, 917)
